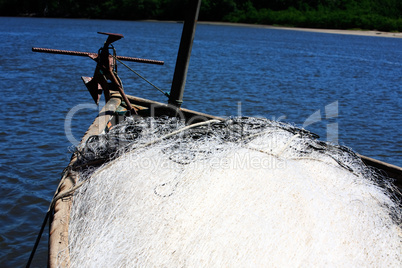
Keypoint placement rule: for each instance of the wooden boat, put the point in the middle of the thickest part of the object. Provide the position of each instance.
(111, 114)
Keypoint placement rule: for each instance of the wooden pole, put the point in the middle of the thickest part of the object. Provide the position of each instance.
(183, 56)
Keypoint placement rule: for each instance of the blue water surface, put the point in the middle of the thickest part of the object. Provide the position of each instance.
(345, 88)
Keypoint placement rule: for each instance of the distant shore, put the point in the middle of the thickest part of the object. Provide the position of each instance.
(331, 31)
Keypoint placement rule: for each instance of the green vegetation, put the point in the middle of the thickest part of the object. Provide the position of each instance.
(385, 15)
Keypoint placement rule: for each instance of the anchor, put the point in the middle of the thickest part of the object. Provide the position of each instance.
(105, 78)
(106, 70)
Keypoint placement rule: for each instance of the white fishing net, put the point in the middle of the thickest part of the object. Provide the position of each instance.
(245, 192)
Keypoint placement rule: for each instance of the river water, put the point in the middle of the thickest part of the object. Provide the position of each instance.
(345, 88)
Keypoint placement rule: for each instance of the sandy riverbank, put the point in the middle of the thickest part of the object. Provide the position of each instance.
(331, 31)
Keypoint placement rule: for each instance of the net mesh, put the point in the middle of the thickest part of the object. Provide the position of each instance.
(240, 192)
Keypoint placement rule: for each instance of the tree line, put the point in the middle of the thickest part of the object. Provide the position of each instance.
(385, 15)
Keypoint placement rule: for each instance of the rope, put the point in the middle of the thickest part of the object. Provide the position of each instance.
(128, 67)
(278, 156)
(31, 256)
(178, 131)
(287, 144)
(38, 239)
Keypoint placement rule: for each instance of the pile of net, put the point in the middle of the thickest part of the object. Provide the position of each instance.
(236, 193)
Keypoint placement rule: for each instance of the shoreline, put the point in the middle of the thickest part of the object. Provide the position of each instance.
(374, 33)
(329, 31)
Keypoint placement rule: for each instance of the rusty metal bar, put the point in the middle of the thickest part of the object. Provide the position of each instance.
(121, 91)
(93, 55)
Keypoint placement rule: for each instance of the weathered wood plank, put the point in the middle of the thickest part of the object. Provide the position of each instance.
(58, 233)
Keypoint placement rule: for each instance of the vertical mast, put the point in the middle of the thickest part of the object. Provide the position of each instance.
(183, 56)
